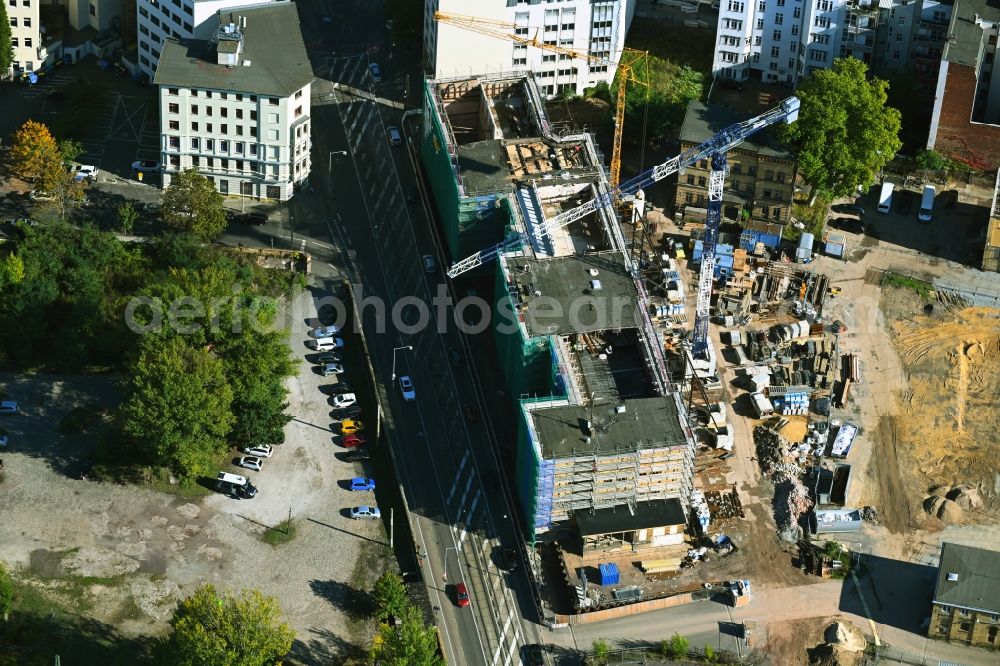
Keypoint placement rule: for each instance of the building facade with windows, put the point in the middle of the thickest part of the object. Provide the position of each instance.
(236, 106)
(761, 178)
(781, 41)
(597, 27)
(25, 35)
(160, 20)
(966, 604)
(911, 36)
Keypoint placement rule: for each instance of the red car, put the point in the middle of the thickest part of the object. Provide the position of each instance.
(351, 441)
(461, 595)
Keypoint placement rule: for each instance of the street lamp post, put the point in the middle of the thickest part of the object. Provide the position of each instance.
(409, 347)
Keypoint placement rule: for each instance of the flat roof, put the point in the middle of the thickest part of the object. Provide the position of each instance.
(483, 165)
(570, 301)
(966, 46)
(654, 513)
(273, 62)
(977, 578)
(646, 423)
(703, 121)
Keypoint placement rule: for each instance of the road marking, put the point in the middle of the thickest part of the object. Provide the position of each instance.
(458, 476)
(322, 245)
(500, 645)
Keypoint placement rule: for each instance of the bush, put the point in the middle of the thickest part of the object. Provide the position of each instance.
(601, 650)
(932, 160)
(675, 647)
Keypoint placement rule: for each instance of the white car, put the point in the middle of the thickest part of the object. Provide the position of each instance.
(146, 166)
(325, 331)
(406, 388)
(86, 172)
(328, 344)
(343, 400)
(9, 407)
(251, 462)
(260, 450)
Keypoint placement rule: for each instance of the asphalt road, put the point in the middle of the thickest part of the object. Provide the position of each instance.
(359, 225)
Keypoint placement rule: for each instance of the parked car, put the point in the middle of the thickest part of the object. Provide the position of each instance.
(354, 411)
(353, 441)
(343, 400)
(375, 71)
(371, 512)
(508, 559)
(533, 653)
(851, 224)
(146, 166)
(332, 369)
(259, 450)
(357, 455)
(395, 138)
(362, 483)
(235, 486)
(325, 331)
(461, 595)
(406, 388)
(251, 462)
(852, 209)
(9, 407)
(86, 172)
(351, 426)
(255, 219)
(329, 357)
(430, 265)
(327, 344)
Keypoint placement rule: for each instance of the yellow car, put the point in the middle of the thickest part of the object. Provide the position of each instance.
(351, 426)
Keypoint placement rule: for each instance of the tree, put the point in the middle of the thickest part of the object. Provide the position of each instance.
(127, 217)
(659, 106)
(224, 630)
(34, 156)
(601, 650)
(70, 150)
(675, 647)
(191, 204)
(178, 408)
(845, 133)
(6, 47)
(931, 160)
(6, 593)
(411, 643)
(65, 193)
(390, 596)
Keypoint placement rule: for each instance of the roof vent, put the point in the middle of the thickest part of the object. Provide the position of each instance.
(620, 409)
(953, 577)
(246, 63)
(593, 272)
(595, 285)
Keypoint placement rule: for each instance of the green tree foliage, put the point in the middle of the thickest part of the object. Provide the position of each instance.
(210, 629)
(191, 204)
(34, 156)
(659, 97)
(177, 411)
(6, 48)
(11, 271)
(932, 160)
(6, 593)
(70, 150)
(67, 194)
(600, 649)
(711, 656)
(412, 643)
(390, 596)
(127, 217)
(674, 647)
(845, 133)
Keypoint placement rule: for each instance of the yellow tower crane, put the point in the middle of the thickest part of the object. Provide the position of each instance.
(626, 67)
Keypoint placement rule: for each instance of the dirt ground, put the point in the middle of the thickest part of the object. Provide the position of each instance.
(787, 642)
(949, 416)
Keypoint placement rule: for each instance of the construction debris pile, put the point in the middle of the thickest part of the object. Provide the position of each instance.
(948, 503)
(791, 498)
(726, 505)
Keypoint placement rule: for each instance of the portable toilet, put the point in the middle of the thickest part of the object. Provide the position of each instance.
(804, 252)
(609, 573)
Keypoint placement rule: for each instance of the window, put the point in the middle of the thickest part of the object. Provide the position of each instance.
(239, 98)
(272, 118)
(767, 194)
(144, 60)
(239, 113)
(224, 146)
(765, 210)
(208, 127)
(155, 37)
(777, 213)
(210, 145)
(273, 101)
(817, 55)
(779, 19)
(223, 111)
(298, 111)
(762, 6)
(253, 98)
(224, 163)
(253, 115)
(143, 12)
(174, 125)
(208, 110)
(194, 127)
(797, 12)
(298, 95)
(239, 130)
(195, 143)
(223, 186)
(223, 95)
(760, 24)
(775, 52)
(773, 66)
(272, 135)
(822, 22)
(776, 36)
(13, 21)
(224, 128)
(701, 181)
(188, 27)
(239, 165)
(194, 109)
(174, 141)
(174, 108)
(93, 10)
(899, 36)
(253, 130)
(155, 21)
(735, 6)
(27, 22)
(239, 147)
(795, 30)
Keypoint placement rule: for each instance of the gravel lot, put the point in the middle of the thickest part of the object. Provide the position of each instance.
(156, 547)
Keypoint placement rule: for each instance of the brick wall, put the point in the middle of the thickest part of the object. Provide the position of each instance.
(955, 624)
(973, 143)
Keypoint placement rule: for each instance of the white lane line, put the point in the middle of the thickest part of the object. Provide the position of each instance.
(458, 476)
(322, 245)
(500, 645)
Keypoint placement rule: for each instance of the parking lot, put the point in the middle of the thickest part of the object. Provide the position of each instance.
(114, 118)
(152, 548)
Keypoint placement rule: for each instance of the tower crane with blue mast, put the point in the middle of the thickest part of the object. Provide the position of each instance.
(713, 149)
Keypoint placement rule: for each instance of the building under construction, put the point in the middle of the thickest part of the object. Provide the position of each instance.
(601, 429)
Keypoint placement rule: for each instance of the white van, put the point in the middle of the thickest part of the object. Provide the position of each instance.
(927, 204)
(235, 485)
(885, 198)
(327, 344)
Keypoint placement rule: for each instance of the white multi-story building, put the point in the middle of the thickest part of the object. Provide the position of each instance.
(25, 34)
(780, 41)
(236, 106)
(596, 27)
(160, 20)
